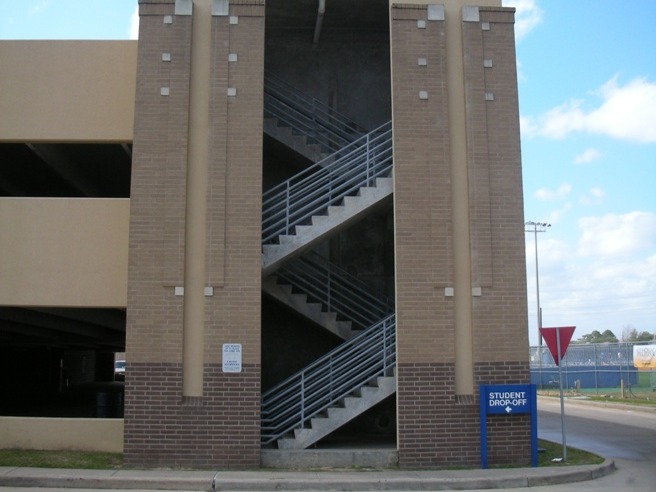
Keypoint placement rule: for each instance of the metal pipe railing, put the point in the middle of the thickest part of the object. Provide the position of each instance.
(293, 402)
(311, 191)
(337, 290)
(308, 116)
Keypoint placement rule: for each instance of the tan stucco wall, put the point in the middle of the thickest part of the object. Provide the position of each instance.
(59, 434)
(67, 90)
(68, 252)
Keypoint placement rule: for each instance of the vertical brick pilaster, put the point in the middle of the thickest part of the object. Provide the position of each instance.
(221, 428)
(435, 427)
(423, 238)
(422, 193)
(495, 181)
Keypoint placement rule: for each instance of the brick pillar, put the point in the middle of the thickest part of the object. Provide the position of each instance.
(220, 428)
(438, 424)
(497, 219)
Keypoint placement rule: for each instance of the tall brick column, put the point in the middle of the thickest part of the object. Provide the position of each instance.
(218, 425)
(459, 241)
(497, 219)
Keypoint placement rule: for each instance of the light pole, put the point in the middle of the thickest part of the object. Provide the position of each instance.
(536, 227)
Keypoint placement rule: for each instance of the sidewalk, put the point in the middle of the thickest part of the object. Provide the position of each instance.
(263, 480)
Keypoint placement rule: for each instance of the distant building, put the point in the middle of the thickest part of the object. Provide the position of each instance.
(311, 213)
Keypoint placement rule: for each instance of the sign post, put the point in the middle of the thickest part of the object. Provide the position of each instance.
(558, 339)
(508, 399)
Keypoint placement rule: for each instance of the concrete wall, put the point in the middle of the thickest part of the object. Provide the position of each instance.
(67, 91)
(59, 434)
(64, 252)
(347, 70)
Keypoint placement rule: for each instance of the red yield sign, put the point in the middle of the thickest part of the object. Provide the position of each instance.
(551, 336)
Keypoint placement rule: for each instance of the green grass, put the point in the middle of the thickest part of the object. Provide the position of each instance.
(633, 396)
(629, 401)
(112, 461)
(551, 451)
(61, 459)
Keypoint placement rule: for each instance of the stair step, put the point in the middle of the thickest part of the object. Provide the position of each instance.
(318, 220)
(301, 230)
(338, 415)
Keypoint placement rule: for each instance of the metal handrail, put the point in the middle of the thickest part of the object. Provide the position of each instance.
(292, 403)
(336, 289)
(313, 190)
(308, 116)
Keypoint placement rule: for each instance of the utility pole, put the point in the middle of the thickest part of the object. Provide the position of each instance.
(536, 227)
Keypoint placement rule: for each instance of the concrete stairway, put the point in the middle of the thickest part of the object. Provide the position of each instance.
(336, 219)
(339, 414)
(310, 310)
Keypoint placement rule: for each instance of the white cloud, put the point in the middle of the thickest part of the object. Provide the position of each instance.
(134, 24)
(555, 215)
(617, 235)
(547, 195)
(595, 196)
(527, 16)
(609, 282)
(38, 7)
(588, 155)
(625, 113)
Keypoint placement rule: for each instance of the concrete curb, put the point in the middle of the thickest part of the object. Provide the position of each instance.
(577, 474)
(263, 480)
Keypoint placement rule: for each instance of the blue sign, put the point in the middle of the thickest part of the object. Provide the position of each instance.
(508, 399)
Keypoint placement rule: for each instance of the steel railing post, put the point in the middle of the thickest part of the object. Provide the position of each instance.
(367, 156)
(287, 206)
(302, 397)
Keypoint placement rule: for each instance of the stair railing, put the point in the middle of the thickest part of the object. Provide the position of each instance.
(313, 190)
(292, 403)
(336, 289)
(308, 116)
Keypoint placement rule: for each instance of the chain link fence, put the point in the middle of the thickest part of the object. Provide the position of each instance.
(604, 369)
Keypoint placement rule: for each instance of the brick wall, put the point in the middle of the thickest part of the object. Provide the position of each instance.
(436, 427)
(216, 431)
(422, 192)
(221, 428)
(156, 247)
(495, 182)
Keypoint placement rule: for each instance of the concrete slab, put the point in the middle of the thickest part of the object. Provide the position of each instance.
(302, 480)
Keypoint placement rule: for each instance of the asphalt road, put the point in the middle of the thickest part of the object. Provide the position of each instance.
(623, 434)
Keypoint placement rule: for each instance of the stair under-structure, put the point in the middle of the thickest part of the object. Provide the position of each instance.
(303, 123)
(325, 198)
(327, 295)
(314, 311)
(333, 390)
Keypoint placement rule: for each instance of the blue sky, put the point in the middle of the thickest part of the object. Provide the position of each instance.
(587, 88)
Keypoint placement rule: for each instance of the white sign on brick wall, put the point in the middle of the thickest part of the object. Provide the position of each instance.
(232, 357)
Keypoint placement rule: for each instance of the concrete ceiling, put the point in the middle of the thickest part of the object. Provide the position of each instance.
(64, 328)
(340, 14)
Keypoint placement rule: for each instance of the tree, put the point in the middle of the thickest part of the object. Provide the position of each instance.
(597, 337)
(630, 334)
